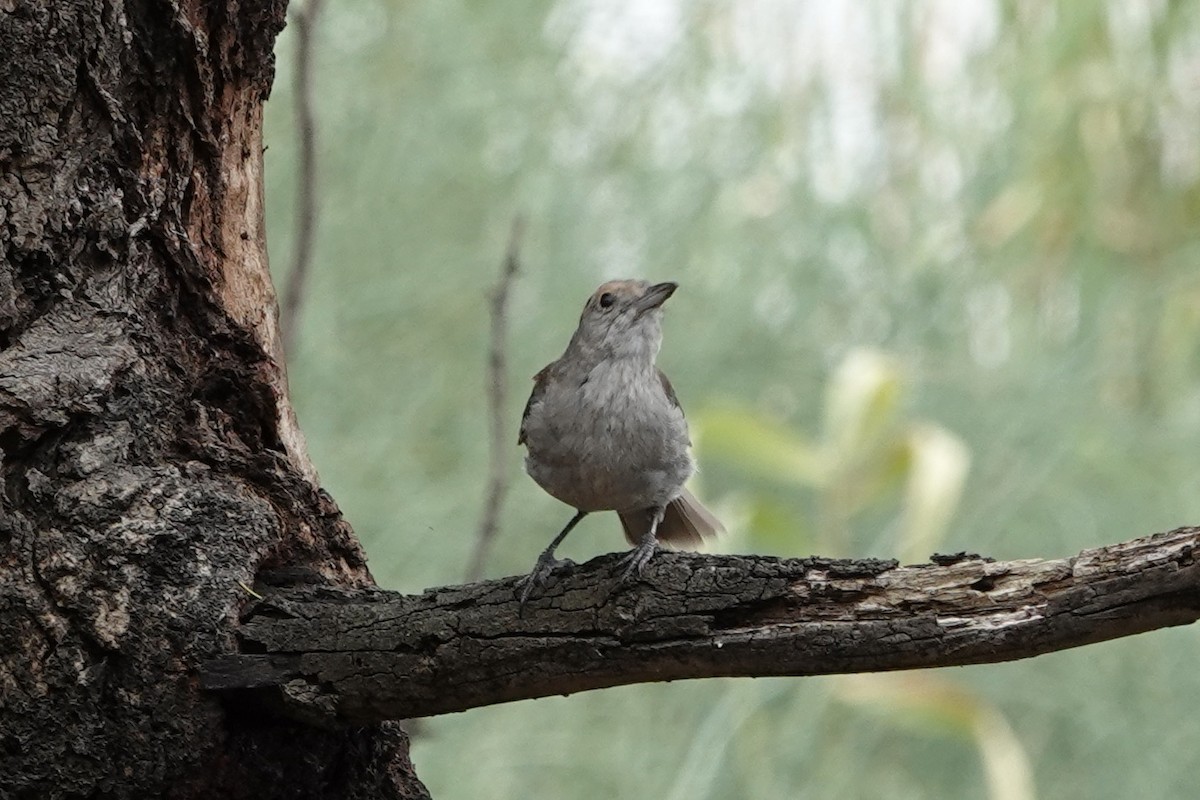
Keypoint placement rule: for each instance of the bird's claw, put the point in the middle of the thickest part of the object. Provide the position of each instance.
(636, 559)
(545, 565)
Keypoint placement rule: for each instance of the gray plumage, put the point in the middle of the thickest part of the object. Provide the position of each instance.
(605, 432)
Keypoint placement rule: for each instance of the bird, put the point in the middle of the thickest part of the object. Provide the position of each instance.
(604, 431)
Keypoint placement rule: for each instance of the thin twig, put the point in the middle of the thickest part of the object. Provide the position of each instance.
(500, 448)
(305, 19)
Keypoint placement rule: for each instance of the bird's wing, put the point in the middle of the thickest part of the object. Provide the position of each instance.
(670, 392)
(668, 388)
(539, 386)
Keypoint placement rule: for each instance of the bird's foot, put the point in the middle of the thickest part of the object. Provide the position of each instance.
(637, 558)
(545, 565)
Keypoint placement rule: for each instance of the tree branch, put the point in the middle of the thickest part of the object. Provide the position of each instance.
(305, 19)
(355, 656)
(500, 449)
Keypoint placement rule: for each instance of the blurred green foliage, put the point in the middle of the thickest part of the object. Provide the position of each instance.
(939, 291)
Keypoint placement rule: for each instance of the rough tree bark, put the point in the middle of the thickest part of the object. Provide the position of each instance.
(150, 460)
(352, 656)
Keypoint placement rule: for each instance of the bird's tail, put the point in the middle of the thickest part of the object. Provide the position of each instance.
(685, 524)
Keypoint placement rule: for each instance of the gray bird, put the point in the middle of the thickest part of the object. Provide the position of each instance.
(604, 430)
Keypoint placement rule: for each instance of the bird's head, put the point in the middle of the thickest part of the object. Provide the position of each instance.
(624, 319)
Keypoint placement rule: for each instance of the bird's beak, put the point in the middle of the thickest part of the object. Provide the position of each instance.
(656, 295)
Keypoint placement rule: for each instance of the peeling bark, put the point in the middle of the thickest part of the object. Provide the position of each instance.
(149, 458)
(351, 656)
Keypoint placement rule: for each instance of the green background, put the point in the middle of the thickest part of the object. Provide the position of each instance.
(939, 291)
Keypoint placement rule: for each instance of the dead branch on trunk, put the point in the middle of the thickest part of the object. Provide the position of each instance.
(500, 448)
(305, 19)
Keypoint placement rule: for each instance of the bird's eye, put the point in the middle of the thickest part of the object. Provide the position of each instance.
(607, 300)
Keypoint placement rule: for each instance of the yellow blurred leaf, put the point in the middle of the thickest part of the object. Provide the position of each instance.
(860, 404)
(1008, 213)
(764, 448)
(874, 480)
(920, 700)
(938, 466)
(777, 528)
(914, 700)
(1177, 339)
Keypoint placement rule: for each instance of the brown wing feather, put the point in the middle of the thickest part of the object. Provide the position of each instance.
(667, 387)
(539, 386)
(670, 391)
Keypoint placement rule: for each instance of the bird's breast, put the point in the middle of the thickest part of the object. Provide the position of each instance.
(611, 439)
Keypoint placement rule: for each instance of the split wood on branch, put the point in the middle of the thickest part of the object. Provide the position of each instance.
(342, 656)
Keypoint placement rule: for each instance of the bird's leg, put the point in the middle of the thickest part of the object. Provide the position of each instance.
(546, 561)
(637, 558)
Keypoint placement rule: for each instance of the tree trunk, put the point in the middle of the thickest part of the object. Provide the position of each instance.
(151, 465)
